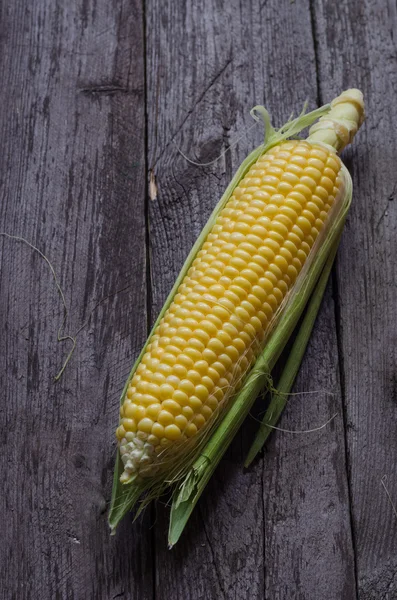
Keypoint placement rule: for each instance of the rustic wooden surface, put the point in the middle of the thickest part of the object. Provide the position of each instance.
(96, 95)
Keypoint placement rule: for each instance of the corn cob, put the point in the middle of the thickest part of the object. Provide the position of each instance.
(214, 329)
(228, 302)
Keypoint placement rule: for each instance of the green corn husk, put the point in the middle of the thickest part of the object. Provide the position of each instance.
(203, 462)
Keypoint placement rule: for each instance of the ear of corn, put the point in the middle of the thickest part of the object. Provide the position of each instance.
(242, 289)
(226, 305)
(190, 488)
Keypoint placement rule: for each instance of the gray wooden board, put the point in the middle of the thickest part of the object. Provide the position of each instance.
(247, 536)
(364, 53)
(73, 183)
(95, 95)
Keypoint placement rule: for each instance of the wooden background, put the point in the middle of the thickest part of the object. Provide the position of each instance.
(94, 94)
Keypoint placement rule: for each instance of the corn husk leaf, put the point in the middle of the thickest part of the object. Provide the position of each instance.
(189, 490)
(124, 496)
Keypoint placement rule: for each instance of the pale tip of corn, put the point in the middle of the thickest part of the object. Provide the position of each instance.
(136, 455)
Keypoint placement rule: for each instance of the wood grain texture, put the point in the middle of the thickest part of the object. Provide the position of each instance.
(262, 532)
(308, 519)
(94, 96)
(357, 46)
(73, 183)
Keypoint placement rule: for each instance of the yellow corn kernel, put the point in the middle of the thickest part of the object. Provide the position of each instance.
(145, 425)
(153, 410)
(165, 418)
(172, 432)
(181, 422)
(158, 431)
(120, 432)
(129, 424)
(199, 421)
(172, 407)
(191, 430)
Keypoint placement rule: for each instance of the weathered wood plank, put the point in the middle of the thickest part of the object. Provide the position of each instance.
(192, 71)
(206, 67)
(363, 53)
(72, 171)
(307, 508)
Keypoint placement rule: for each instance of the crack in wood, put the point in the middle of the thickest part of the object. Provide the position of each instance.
(192, 109)
(104, 90)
